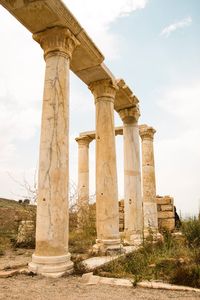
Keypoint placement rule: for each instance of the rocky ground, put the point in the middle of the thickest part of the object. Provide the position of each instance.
(23, 287)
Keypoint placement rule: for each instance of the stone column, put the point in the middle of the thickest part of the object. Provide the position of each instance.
(133, 213)
(83, 175)
(149, 182)
(107, 212)
(51, 257)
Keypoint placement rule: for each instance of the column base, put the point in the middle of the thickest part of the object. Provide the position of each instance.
(132, 238)
(51, 266)
(107, 247)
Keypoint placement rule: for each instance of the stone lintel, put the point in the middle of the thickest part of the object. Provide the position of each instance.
(91, 134)
(119, 131)
(95, 73)
(124, 96)
(37, 16)
(146, 132)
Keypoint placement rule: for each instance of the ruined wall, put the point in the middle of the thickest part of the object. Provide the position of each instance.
(166, 213)
(26, 234)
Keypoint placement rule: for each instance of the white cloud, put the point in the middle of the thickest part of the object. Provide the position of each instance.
(178, 157)
(178, 25)
(183, 102)
(97, 16)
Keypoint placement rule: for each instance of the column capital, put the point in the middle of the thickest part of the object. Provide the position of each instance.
(103, 89)
(130, 115)
(83, 140)
(146, 132)
(56, 40)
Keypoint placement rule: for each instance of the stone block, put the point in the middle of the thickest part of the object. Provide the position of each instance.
(165, 214)
(167, 207)
(6, 274)
(168, 224)
(164, 200)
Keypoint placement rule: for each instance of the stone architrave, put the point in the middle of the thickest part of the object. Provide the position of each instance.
(51, 257)
(133, 213)
(83, 174)
(107, 213)
(149, 181)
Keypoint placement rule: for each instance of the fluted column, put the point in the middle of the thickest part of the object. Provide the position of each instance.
(83, 174)
(107, 214)
(133, 213)
(51, 257)
(149, 181)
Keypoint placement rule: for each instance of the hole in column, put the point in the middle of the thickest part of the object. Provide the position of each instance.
(101, 193)
(83, 185)
(98, 138)
(44, 199)
(130, 201)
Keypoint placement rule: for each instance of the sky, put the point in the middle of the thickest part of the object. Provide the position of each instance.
(154, 46)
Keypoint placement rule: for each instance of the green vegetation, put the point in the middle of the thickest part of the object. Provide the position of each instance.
(175, 260)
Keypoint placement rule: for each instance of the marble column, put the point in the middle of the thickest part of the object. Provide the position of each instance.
(149, 182)
(133, 213)
(51, 257)
(83, 175)
(107, 212)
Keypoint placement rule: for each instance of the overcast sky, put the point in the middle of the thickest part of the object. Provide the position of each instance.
(154, 45)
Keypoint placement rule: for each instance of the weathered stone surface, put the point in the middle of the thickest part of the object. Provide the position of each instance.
(148, 178)
(107, 211)
(91, 279)
(165, 214)
(165, 286)
(26, 233)
(51, 253)
(6, 274)
(93, 262)
(168, 224)
(83, 175)
(166, 207)
(133, 219)
(164, 200)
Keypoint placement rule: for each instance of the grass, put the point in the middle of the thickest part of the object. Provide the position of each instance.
(175, 260)
(82, 238)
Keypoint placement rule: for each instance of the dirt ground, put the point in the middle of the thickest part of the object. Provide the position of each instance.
(70, 288)
(24, 287)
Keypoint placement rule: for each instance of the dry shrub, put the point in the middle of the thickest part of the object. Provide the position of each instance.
(188, 275)
(82, 232)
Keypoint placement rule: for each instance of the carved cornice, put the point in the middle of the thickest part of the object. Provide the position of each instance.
(103, 90)
(84, 140)
(146, 132)
(130, 115)
(56, 39)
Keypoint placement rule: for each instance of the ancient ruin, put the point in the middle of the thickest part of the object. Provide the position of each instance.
(149, 210)
(67, 46)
